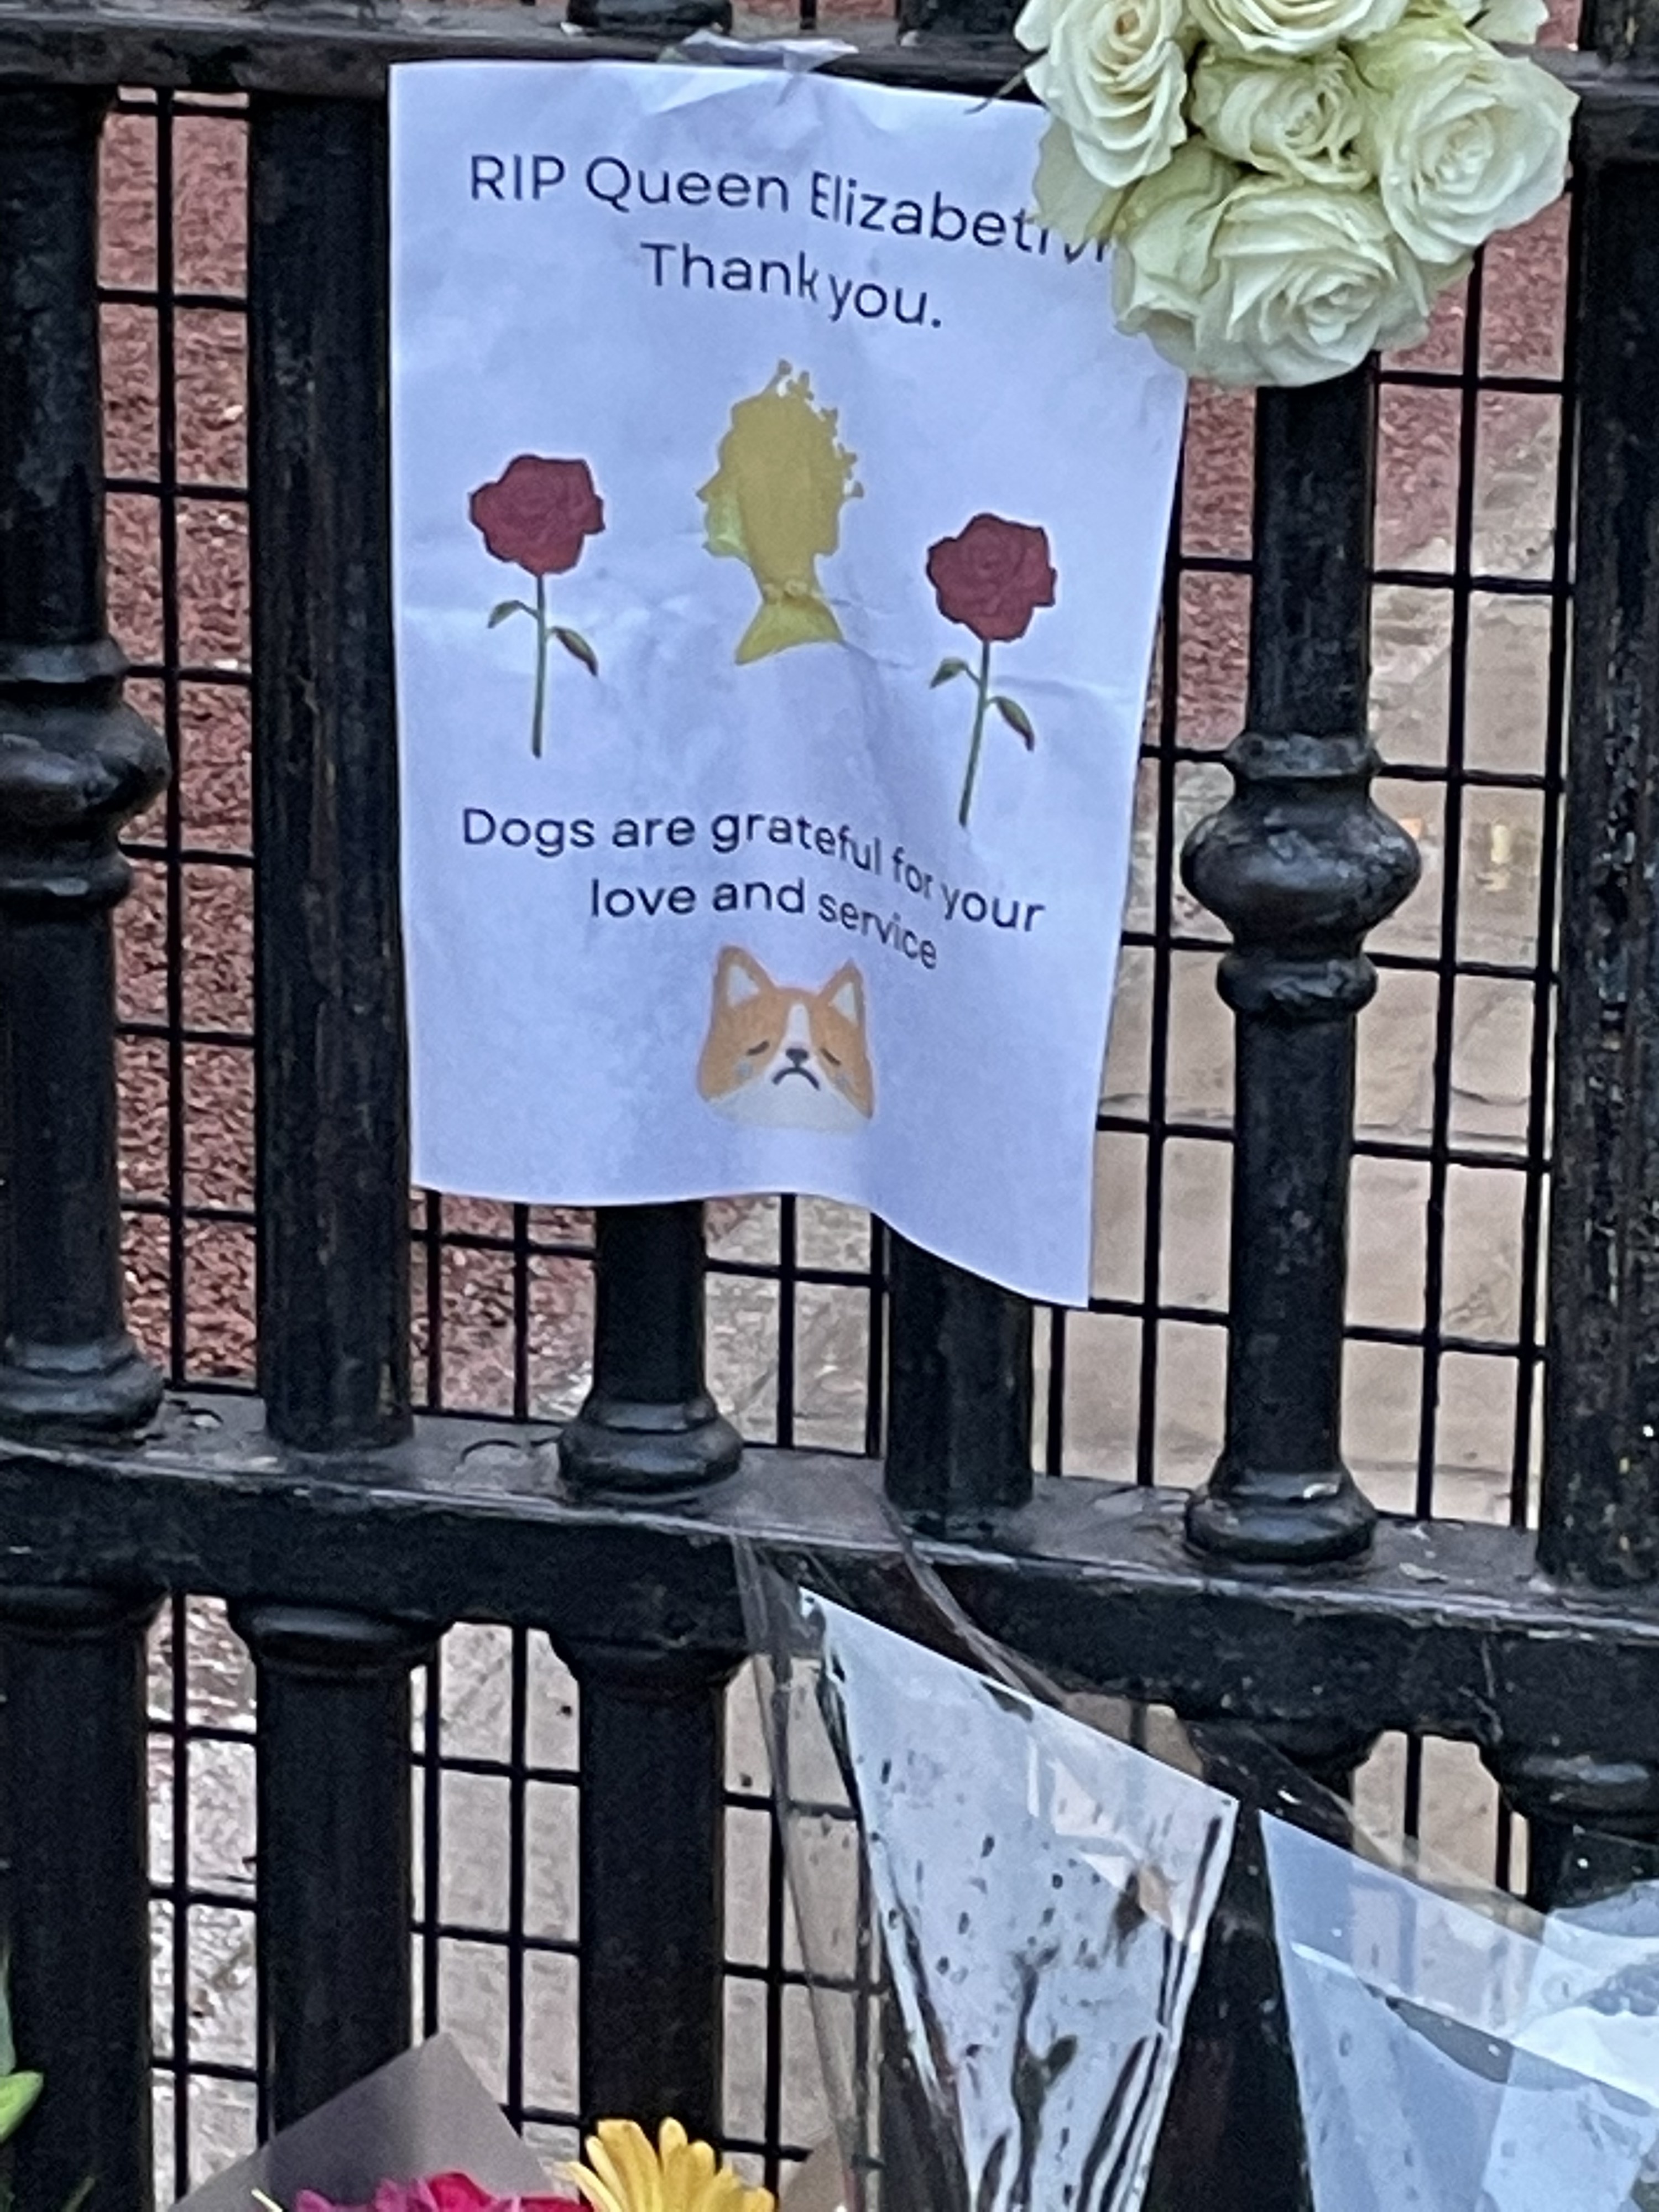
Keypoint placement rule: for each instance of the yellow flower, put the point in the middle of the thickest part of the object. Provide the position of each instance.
(626, 2175)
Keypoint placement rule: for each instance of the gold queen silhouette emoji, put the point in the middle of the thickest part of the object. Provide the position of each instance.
(775, 503)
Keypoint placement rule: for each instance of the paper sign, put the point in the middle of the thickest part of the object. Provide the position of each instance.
(779, 524)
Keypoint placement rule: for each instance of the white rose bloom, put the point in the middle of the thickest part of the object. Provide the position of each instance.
(1115, 71)
(1292, 26)
(1070, 201)
(1162, 259)
(1254, 280)
(1299, 117)
(1464, 142)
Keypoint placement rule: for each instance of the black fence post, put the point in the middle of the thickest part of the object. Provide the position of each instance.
(335, 1822)
(958, 22)
(648, 1423)
(959, 1395)
(336, 1816)
(74, 1889)
(334, 1297)
(1299, 863)
(652, 1721)
(1594, 1815)
(649, 19)
(74, 764)
(1600, 1518)
(651, 1882)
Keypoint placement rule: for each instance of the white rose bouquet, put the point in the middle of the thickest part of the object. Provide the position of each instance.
(1286, 184)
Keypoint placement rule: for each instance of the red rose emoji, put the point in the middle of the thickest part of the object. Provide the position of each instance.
(992, 578)
(538, 513)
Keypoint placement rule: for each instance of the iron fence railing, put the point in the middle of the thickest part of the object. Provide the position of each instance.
(1369, 537)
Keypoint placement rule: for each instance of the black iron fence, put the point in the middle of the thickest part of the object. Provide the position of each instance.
(347, 1530)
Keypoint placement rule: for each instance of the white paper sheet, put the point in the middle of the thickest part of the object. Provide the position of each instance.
(707, 920)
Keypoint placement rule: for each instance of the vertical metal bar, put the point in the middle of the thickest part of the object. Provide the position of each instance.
(1594, 1816)
(333, 1117)
(648, 1423)
(1621, 31)
(959, 1393)
(179, 2026)
(334, 1787)
(1600, 1513)
(1299, 863)
(74, 1897)
(788, 1319)
(431, 1241)
(980, 22)
(650, 1881)
(521, 1313)
(650, 19)
(517, 1868)
(74, 764)
(652, 1723)
(432, 1838)
(1451, 898)
(1529, 1376)
(336, 1811)
(1592, 1821)
(1054, 1414)
(166, 517)
(875, 1391)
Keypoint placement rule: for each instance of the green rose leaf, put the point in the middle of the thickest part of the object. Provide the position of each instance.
(499, 614)
(1017, 719)
(948, 667)
(579, 648)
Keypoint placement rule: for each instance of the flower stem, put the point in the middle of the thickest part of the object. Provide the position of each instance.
(978, 738)
(539, 714)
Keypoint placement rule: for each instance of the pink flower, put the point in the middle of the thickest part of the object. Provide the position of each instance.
(444, 2192)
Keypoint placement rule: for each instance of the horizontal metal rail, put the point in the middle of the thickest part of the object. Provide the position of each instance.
(202, 46)
(1448, 1629)
(344, 52)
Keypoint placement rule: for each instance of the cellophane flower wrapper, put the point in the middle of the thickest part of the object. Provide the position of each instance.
(1064, 1952)
(1485, 2056)
(1001, 1910)
(424, 2113)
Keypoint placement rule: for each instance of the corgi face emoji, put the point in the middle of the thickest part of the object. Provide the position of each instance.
(781, 1058)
